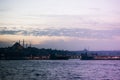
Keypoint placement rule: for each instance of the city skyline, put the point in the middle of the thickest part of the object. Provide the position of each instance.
(69, 25)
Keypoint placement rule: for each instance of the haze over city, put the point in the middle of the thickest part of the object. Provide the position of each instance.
(61, 24)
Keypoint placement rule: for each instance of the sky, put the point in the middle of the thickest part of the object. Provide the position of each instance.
(61, 24)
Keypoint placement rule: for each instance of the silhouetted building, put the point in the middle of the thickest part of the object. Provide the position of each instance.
(17, 46)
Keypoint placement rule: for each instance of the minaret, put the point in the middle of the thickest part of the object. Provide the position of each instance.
(19, 41)
(23, 42)
(30, 44)
(26, 45)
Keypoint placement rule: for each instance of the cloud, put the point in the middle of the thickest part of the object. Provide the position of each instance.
(3, 10)
(62, 21)
(9, 32)
(68, 32)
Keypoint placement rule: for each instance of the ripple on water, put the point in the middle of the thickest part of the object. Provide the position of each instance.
(59, 70)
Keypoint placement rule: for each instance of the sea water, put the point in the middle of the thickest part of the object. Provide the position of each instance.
(60, 69)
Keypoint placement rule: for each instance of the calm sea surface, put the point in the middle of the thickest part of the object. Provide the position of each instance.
(59, 70)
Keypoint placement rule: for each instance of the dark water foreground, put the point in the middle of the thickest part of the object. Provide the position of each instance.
(59, 70)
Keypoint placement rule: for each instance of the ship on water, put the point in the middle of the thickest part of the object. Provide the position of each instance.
(91, 56)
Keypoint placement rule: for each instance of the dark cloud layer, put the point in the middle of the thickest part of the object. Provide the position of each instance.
(73, 32)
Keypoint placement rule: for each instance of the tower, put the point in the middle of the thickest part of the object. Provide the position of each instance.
(19, 41)
(30, 44)
(23, 42)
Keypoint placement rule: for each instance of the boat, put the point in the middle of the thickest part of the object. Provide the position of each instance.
(86, 56)
(89, 56)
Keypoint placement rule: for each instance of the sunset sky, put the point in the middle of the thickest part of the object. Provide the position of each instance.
(61, 24)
